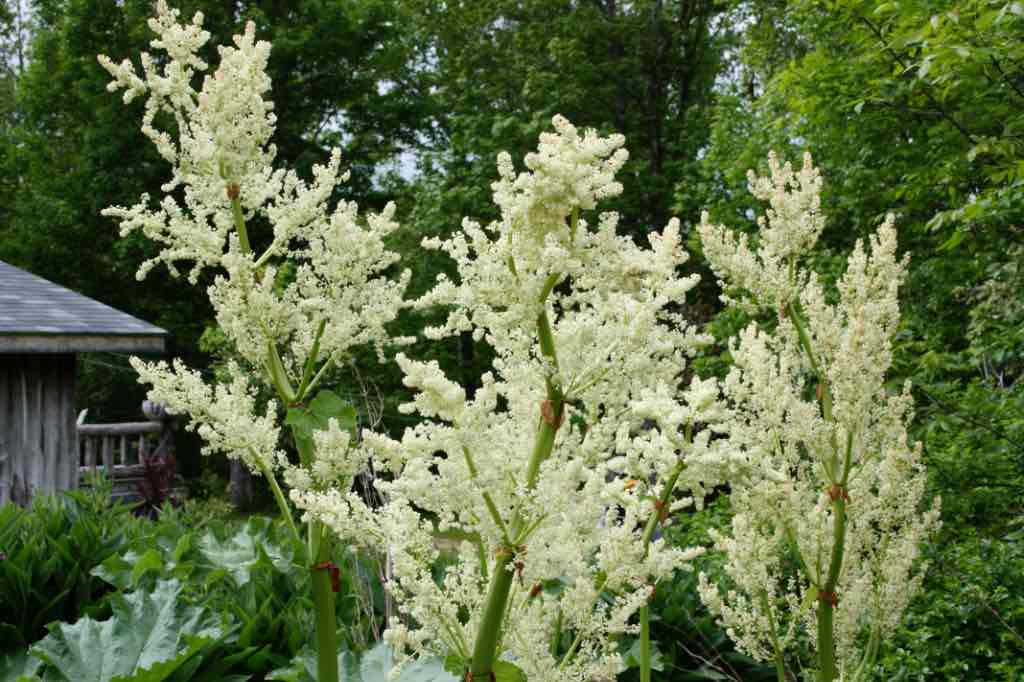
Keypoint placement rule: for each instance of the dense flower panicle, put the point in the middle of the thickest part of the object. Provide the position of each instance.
(790, 228)
(224, 416)
(810, 412)
(223, 150)
(567, 172)
(321, 286)
(619, 352)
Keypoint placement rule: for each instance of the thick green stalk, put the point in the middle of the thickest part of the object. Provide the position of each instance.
(645, 643)
(326, 627)
(323, 594)
(486, 645)
(827, 671)
(485, 648)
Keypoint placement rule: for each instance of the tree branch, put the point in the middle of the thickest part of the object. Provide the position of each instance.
(924, 86)
(999, 68)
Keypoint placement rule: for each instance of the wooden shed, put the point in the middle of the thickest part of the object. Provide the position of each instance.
(43, 326)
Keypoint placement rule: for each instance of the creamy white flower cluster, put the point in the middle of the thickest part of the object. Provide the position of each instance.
(221, 154)
(822, 435)
(224, 416)
(566, 172)
(316, 288)
(618, 353)
(789, 229)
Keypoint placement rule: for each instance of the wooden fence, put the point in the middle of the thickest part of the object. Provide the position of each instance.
(117, 451)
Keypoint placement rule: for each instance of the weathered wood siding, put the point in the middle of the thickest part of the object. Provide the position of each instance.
(38, 442)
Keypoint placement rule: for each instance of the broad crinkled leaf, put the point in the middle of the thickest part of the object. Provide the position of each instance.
(371, 666)
(149, 635)
(19, 667)
(239, 553)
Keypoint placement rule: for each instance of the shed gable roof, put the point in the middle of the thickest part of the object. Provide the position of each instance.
(37, 315)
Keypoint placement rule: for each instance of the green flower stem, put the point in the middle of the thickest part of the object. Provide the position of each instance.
(323, 594)
(652, 524)
(805, 343)
(307, 370)
(277, 373)
(485, 648)
(827, 669)
(579, 633)
(826, 644)
(243, 234)
(282, 504)
(488, 500)
(666, 493)
(780, 665)
(326, 630)
(558, 633)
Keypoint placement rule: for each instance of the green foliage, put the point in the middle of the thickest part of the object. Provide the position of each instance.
(232, 589)
(249, 570)
(19, 666)
(503, 68)
(50, 550)
(327, 405)
(148, 637)
(974, 438)
(372, 666)
(968, 623)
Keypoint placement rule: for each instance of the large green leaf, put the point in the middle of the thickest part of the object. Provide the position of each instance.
(238, 554)
(371, 666)
(325, 406)
(149, 635)
(19, 667)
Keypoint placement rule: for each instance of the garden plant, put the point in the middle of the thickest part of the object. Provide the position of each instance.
(828, 522)
(525, 521)
(309, 286)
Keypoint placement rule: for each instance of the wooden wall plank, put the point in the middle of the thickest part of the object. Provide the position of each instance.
(6, 449)
(37, 424)
(24, 430)
(50, 419)
(68, 409)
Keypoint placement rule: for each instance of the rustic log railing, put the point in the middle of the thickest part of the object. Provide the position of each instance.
(118, 451)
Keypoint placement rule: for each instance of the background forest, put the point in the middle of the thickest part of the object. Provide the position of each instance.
(912, 107)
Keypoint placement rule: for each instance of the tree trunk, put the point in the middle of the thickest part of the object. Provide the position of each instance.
(241, 486)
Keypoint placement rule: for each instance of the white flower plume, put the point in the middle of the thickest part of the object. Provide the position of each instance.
(823, 437)
(615, 340)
